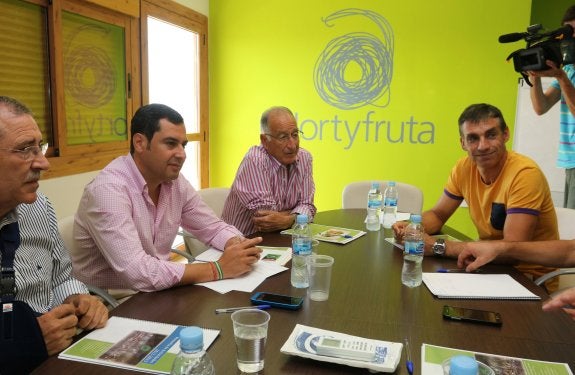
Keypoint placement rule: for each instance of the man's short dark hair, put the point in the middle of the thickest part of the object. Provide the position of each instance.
(569, 15)
(146, 120)
(480, 112)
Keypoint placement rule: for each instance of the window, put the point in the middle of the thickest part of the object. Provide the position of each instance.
(174, 72)
(73, 64)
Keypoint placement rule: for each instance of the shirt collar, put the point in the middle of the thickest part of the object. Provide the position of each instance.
(10, 217)
(277, 163)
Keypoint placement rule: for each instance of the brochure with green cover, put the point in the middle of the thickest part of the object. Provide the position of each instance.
(330, 233)
(434, 357)
(133, 344)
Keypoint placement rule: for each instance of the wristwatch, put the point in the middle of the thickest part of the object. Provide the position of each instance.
(439, 247)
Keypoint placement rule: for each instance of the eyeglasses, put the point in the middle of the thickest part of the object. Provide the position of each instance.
(30, 152)
(284, 138)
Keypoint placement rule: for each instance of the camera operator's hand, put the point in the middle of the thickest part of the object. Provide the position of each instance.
(553, 71)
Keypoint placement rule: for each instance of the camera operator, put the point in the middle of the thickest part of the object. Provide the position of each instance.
(561, 88)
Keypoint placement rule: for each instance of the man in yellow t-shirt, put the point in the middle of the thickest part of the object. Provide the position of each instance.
(507, 194)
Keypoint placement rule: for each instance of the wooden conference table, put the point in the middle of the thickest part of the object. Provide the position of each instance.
(367, 299)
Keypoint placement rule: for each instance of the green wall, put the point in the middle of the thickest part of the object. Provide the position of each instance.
(386, 116)
(548, 13)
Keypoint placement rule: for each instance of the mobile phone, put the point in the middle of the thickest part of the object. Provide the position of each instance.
(277, 300)
(472, 315)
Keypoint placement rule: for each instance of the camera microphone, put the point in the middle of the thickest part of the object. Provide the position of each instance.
(565, 30)
(513, 37)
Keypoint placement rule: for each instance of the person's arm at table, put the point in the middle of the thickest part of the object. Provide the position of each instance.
(237, 259)
(269, 221)
(432, 220)
(558, 253)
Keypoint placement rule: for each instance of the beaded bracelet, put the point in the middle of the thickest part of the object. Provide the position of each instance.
(219, 268)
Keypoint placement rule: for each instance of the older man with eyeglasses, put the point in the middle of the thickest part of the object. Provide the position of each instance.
(274, 182)
(36, 268)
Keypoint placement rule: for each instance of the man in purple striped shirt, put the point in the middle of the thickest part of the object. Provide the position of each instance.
(274, 182)
(129, 215)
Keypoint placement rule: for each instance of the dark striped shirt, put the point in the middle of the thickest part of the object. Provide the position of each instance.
(42, 264)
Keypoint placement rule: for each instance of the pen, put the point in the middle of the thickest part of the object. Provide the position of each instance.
(409, 362)
(457, 270)
(232, 309)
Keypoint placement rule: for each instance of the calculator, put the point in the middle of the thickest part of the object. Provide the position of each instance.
(355, 348)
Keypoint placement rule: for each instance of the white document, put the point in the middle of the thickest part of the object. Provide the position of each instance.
(248, 282)
(476, 286)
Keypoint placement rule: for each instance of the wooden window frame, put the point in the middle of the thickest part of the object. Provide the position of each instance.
(177, 14)
(73, 159)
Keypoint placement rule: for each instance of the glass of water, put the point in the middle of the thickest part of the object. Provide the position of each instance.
(250, 332)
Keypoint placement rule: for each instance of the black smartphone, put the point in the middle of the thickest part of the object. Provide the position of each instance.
(472, 315)
(277, 300)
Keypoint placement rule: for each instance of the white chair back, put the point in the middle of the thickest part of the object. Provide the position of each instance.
(566, 222)
(215, 198)
(66, 228)
(410, 197)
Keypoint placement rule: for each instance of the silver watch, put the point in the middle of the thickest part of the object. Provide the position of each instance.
(439, 247)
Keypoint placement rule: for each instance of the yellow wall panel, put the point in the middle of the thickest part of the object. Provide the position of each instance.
(377, 85)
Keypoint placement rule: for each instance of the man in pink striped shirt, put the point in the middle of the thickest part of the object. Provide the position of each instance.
(130, 213)
(274, 182)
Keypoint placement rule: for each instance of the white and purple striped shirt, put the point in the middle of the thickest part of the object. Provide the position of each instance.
(263, 183)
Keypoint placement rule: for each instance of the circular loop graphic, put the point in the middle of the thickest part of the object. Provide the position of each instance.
(359, 51)
(90, 76)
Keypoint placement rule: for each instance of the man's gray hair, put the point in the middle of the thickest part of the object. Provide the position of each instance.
(264, 126)
(13, 106)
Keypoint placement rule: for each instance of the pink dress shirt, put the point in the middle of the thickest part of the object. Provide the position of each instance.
(263, 183)
(125, 239)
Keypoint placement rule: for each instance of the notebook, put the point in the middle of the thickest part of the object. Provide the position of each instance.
(476, 286)
(133, 344)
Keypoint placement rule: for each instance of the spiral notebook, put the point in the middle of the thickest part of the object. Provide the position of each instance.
(476, 286)
(133, 344)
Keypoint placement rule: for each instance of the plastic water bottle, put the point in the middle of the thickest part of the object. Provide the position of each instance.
(301, 247)
(374, 205)
(390, 197)
(192, 359)
(413, 242)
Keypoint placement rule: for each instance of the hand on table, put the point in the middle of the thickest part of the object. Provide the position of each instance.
(564, 300)
(270, 221)
(239, 256)
(91, 312)
(58, 327)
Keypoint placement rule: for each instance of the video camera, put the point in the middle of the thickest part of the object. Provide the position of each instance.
(556, 45)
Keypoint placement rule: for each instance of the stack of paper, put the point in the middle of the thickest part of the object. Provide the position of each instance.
(271, 262)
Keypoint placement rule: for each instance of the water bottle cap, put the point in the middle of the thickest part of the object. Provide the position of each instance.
(391, 183)
(416, 218)
(374, 185)
(191, 339)
(301, 219)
